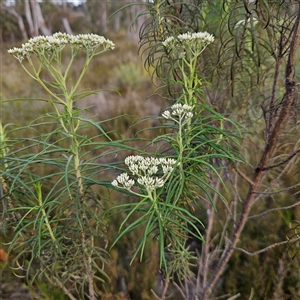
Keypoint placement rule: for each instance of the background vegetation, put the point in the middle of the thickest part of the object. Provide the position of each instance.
(246, 68)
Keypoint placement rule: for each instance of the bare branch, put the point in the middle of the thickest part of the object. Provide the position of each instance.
(275, 183)
(163, 296)
(267, 248)
(274, 209)
(279, 191)
(283, 161)
(154, 294)
(245, 177)
(62, 286)
(180, 291)
(206, 246)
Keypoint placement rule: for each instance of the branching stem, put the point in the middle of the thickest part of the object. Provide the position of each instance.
(258, 175)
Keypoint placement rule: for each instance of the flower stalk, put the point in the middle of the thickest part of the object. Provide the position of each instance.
(184, 50)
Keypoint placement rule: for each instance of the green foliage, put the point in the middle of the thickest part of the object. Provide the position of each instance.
(56, 172)
(61, 209)
(194, 137)
(57, 216)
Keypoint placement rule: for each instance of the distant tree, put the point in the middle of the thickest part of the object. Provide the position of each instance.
(33, 14)
(29, 19)
(96, 13)
(64, 16)
(103, 16)
(17, 16)
(34, 17)
(38, 19)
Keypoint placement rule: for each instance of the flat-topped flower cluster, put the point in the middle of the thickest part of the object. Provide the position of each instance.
(47, 45)
(181, 111)
(203, 37)
(151, 172)
(195, 41)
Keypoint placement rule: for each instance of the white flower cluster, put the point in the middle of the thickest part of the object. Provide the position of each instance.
(196, 40)
(91, 42)
(47, 45)
(151, 172)
(124, 180)
(179, 110)
(203, 37)
(168, 41)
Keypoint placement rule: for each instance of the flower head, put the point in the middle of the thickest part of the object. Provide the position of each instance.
(90, 42)
(168, 41)
(196, 42)
(200, 37)
(18, 53)
(179, 110)
(124, 180)
(151, 172)
(46, 46)
(166, 114)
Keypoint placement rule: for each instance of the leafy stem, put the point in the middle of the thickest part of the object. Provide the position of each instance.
(38, 190)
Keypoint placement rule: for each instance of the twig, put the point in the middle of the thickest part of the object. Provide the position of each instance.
(180, 291)
(251, 294)
(163, 296)
(154, 294)
(279, 191)
(274, 209)
(282, 162)
(66, 291)
(206, 246)
(244, 176)
(285, 169)
(267, 248)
